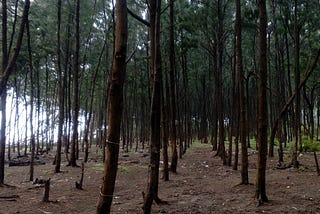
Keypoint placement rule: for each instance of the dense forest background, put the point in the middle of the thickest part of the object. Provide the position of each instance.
(57, 63)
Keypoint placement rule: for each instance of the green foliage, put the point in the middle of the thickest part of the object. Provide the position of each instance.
(310, 146)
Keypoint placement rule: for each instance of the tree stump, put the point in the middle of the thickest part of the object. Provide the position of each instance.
(46, 191)
(79, 185)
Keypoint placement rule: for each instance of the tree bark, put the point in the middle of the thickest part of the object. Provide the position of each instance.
(115, 109)
(262, 106)
(31, 72)
(60, 92)
(242, 98)
(4, 93)
(164, 130)
(76, 104)
(297, 114)
(173, 129)
(152, 189)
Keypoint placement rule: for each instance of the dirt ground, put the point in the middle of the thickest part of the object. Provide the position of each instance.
(202, 185)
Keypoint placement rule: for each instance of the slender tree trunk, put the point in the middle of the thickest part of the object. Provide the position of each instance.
(186, 104)
(262, 105)
(115, 109)
(164, 130)
(152, 189)
(17, 129)
(4, 93)
(66, 84)
(92, 91)
(75, 106)
(173, 130)
(242, 99)
(297, 120)
(32, 138)
(60, 93)
(220, 100)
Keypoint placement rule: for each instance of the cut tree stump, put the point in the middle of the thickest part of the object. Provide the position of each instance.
(46, 191)
(79, 185)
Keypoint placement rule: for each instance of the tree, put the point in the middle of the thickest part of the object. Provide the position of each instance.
(242, 98)
(76, 104)
(31, 73)
(262, 105)
(115, 108)
(4, 93)
(172, 71)
(297, 120)
(155, 138)
(60, 92)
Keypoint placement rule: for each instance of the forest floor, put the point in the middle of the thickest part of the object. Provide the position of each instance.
(202, 185)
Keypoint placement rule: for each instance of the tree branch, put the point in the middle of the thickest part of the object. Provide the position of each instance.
(138, 18)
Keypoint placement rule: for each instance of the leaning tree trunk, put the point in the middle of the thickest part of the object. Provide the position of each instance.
(262, 106)
(115, 109)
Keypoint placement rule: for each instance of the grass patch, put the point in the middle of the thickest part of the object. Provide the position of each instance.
(198, 144)
(123, 169)
(98, 167)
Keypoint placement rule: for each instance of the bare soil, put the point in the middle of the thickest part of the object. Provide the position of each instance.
(202, 185)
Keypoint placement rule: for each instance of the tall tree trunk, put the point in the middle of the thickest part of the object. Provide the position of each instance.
(60, 92)
(262, 105)
(90, 110)
(152, 189)
(76, 104)
(4, 93)
(66, 84)
(297, 120)
(186, 104)
(164, 130)
(115, 109)
(242, 98)
(32, 138)
(220, 100)
(173, 130)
